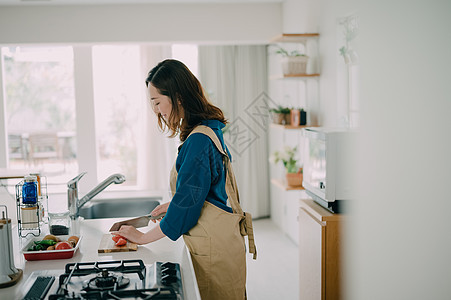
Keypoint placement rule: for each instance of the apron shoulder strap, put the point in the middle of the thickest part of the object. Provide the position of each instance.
(212, 135)
(231, 186)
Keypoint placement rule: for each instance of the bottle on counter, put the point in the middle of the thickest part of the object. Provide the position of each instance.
(29, 207)
(30, 190)
(30, 216)
(38, 181)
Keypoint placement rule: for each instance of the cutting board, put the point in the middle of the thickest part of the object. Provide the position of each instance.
(107, 245)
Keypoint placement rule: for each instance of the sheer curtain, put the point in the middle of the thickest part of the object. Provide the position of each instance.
(159, 152)
(235, 77)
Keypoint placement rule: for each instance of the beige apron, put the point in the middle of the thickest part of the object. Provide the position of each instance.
(216, 242)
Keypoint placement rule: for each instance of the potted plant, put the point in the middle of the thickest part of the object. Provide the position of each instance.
(293, 62)
(288, 157)
(281, 115)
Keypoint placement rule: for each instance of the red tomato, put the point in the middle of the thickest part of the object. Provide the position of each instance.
(121, 242)
(63, 246)
(116, 238)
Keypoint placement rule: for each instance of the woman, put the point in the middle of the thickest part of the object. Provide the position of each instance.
(201, 182)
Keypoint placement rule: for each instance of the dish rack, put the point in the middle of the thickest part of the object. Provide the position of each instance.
(30, 218)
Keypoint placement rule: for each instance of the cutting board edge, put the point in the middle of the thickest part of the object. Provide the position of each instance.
(107, 245)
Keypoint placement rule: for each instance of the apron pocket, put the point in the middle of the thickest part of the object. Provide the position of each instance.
(200, 248)
(198, 245)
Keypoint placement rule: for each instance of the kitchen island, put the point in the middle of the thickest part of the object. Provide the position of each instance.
(92, 231)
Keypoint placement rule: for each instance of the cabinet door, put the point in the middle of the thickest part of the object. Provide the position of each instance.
(311, 241)
(291, 217)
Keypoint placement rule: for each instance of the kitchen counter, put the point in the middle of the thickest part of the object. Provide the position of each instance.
(92, 231)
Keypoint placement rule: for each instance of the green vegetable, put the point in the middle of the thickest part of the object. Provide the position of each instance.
(41, 245)
(36, 247)
(45, 243)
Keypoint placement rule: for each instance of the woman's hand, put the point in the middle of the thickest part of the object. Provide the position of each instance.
(135, 236)
(130, 233)
(162, 208)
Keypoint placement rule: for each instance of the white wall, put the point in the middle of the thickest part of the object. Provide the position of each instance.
(300, 16)
(326, 101)
(400, 245)
(333, 101)
(398, 235)
(232, 23)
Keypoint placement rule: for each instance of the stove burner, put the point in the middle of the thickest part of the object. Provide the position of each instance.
(106, 281)
(124, 279)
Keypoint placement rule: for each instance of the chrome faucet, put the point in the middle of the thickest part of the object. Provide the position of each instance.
(74, 204)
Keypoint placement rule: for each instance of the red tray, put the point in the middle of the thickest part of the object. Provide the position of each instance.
(50, 254)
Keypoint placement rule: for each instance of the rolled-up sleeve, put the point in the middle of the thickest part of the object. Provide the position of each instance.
(193, 184)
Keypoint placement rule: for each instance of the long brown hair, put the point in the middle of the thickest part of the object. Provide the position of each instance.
(173, 79)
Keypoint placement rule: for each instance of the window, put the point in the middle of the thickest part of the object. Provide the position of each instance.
(118, 103)
(40, 109)
(41, 118)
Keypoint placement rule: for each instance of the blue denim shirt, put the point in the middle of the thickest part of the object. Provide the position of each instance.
(201, 177)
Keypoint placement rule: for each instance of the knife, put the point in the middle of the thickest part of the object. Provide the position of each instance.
(142, 221)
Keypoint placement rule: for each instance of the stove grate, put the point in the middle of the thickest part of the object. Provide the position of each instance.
(123, 266)
(141, 294)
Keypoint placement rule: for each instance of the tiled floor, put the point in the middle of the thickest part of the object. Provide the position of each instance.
(274, 275)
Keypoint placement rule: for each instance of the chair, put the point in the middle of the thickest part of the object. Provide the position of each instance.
(43, 146)
(17, 147)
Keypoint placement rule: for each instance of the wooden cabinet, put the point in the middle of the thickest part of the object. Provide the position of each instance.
(320, 236)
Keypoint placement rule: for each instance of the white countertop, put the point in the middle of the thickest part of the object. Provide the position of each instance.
(92, 231)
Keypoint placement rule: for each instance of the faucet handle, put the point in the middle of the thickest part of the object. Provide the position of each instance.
(72, 184)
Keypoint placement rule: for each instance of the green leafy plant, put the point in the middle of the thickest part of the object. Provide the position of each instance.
(288, 157)
(343, 50)
(280, 110)
(284, 52)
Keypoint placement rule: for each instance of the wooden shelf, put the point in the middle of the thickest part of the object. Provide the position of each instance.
(294, 37)
(300, 75)
(294, 76)
(283, 185)
(290, 126)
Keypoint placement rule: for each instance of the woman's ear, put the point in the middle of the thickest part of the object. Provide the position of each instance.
(179, 100)
(181, 109)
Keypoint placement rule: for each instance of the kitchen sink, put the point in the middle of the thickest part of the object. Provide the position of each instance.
(118, 208)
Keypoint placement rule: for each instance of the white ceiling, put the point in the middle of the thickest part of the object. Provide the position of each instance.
(101, 2)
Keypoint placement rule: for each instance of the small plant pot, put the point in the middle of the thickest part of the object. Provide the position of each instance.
(294, 65)
(287, 119)
(283, 119)
(294, 179)
(278, 118)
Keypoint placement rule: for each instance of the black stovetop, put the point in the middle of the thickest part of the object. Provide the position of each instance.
(121, 279)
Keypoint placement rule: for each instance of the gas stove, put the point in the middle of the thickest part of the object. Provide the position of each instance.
(121, 279)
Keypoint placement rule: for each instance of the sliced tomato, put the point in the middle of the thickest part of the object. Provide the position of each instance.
(121, 242)
(63, 246)
(116, 238)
